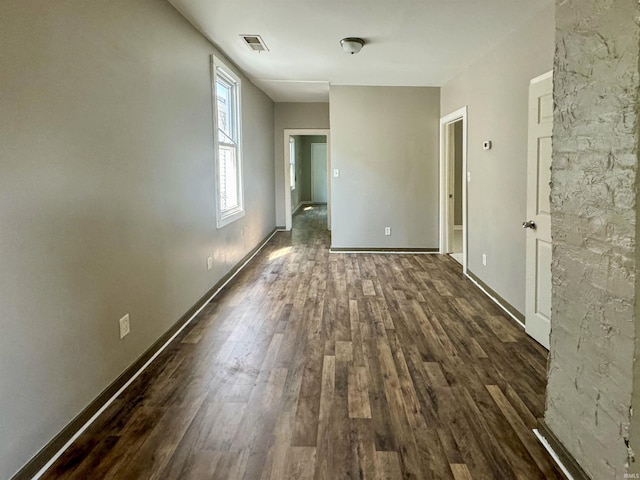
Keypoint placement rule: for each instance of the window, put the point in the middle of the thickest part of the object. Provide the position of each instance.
(292, 162)
(228, 155)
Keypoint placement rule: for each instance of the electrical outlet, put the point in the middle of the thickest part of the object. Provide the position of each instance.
(387, 231)
(468, 176)
(336, 173)
(124, 326)
(209, 263)
(484, 259)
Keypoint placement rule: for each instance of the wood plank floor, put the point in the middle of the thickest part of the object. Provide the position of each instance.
(313, 365)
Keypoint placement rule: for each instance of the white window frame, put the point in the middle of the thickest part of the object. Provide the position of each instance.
(219, 69)
(292, 162)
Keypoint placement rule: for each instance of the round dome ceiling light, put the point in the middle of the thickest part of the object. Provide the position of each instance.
(352, 45)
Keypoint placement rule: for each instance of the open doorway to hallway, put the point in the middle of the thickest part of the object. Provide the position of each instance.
(307, 164)
(308, 178)
(310, 225)
(455, 192)
(453, 186)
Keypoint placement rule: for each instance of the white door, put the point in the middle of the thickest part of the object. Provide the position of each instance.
(538, 221)
(319, 172)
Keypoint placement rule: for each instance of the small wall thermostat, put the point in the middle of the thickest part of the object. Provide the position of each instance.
(486, 145)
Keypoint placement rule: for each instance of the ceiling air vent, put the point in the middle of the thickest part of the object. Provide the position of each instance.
(255, 43)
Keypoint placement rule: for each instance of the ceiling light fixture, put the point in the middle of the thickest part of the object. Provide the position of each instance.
(352, 45)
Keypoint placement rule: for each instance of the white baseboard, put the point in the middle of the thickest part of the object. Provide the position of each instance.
(552, 452)
(495, 300)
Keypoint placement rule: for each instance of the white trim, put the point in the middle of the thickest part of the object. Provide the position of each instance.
(541, 78)
(238, 212)
(384, 252)
(287, 181)
(460, 114)
(552, 452)
(494, 300)
(143, 368)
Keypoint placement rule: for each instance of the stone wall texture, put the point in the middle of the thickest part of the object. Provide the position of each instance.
(593, 199)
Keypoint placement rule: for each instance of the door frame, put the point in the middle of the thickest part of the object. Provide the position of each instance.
(446, 172)
(326, 165)
(288, 132)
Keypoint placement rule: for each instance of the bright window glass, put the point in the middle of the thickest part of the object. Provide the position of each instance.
(292, 162)
(228, 154)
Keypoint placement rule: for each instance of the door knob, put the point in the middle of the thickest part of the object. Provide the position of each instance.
(530, 224)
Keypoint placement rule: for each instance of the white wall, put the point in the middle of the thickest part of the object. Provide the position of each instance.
(384, 141)
(292, 115)
(106, 198)
(495, 89)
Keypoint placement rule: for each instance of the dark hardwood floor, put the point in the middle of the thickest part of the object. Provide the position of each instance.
(331, 366)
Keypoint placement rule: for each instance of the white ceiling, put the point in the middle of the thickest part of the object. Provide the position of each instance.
(409, 42)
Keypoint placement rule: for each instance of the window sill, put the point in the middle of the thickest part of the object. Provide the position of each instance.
(230, 217)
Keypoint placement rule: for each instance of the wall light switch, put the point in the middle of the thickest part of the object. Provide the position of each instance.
(484, 259)
(336, 173)
(387, 231)
(468, 176)
(209, 263)
(486, 145)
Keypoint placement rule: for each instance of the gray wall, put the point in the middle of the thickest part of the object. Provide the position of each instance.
(106, 198)
(594, 211)
(384, 140)
(495, 89)
(293, 115)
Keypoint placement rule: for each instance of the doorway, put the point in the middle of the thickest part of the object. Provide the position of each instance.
(307, 161)
(455, 190)
(319, 172)
(453, 186)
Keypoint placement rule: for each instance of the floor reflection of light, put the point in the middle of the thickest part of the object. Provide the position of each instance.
(308, 208)
(280, 253)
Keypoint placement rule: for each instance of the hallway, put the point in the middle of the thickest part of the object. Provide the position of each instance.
(309, 226)
(318, 365)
